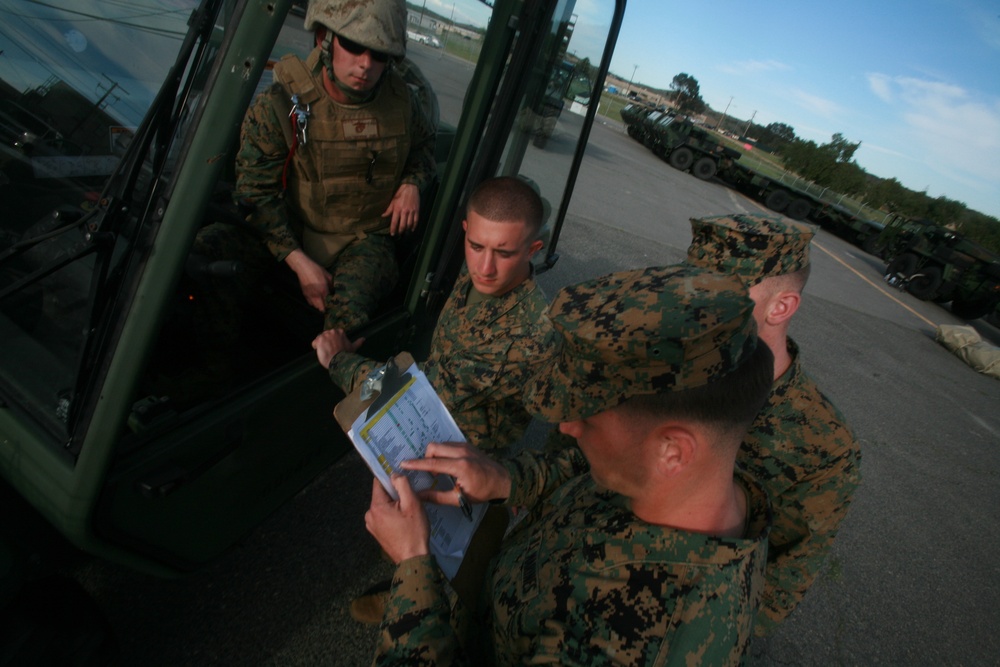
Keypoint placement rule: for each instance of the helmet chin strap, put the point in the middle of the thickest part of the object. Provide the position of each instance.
(353, 96)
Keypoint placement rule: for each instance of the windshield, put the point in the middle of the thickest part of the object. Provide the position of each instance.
(76, 80)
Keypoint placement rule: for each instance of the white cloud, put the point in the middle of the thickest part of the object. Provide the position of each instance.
(881, 85)
(749, 67)
(951, 131)
(820, 106)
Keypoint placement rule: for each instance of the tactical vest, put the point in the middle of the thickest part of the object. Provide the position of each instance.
(347, 172)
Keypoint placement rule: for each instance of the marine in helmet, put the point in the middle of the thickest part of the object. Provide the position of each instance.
(334, 156)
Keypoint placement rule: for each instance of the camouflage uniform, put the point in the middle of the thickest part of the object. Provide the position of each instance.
(582, 580)
(338, 185)
(799, 447)
(481, 357)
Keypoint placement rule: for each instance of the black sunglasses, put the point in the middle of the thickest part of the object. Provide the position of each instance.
(357, 49)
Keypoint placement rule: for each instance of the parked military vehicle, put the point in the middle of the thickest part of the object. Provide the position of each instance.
(632, 112)
(778, 196)
(678, 141)
(685, 146)
(566, 82)
(934, 263)
(118, 439)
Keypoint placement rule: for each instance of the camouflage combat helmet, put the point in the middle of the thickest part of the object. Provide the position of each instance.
(378, 24)
(642, 332)
(751, 246)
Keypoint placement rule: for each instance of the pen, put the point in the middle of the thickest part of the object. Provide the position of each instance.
(463, 502)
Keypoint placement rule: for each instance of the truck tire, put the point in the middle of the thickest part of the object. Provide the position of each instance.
(798, 209)
(871, 245)
(903, 265)
(704, 168)
(681, 158)
(777, 200)
(925, 283)
(972, 309)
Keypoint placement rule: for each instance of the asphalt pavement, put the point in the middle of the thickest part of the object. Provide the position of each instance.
(911, 580)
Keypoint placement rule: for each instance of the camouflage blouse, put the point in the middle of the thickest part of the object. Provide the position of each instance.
(803, 453)
(583, 581)
(480, 358)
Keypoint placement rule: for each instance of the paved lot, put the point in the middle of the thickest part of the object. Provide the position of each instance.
(911, 581)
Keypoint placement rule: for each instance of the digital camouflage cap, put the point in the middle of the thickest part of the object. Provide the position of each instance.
(751, 246)
(641, 332)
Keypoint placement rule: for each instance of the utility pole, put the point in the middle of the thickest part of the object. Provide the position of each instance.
(450, 28)
(749, 122)
(629, 90)
(721, 125)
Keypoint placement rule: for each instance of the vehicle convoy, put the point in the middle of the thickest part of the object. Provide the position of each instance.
(934, 263)
(117, 439)
(678, 141)
(686, 146)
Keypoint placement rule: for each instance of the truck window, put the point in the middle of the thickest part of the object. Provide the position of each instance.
(207, 352)
(75, 82)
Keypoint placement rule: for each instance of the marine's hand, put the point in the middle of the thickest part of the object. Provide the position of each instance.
(316, 282)
(401, 527)
(404, 209)
(482, 479)
(332, 342)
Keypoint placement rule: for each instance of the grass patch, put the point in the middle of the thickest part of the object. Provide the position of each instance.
(466, 49)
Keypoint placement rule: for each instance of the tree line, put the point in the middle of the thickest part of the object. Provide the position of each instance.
(832, 165)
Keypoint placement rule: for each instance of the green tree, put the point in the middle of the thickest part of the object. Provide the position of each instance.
(773, 137)
(848, 178)
(827, 164)
(686, 94)
(781, 131)
(981, 228)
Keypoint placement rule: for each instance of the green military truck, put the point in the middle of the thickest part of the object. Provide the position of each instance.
(687, 147)
(118, 439)
(678, 141)
(632, 114)
(934, 263)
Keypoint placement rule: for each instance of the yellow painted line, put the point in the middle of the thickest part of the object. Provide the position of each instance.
(873, 284)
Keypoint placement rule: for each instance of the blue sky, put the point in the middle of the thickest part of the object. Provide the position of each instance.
(918, 83)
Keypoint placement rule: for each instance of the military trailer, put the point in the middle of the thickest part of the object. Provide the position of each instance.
(860, 231)
(934, 263)
(777, 196)
(121, 438)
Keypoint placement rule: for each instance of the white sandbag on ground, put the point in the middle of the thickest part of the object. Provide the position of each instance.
(966, 343)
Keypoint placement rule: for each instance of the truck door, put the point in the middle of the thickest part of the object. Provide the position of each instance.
(114, 424)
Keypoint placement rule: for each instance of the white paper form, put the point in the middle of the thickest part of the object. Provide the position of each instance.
(400, 430)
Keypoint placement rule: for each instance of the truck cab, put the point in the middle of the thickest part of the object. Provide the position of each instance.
(117, 437)
(935, 263)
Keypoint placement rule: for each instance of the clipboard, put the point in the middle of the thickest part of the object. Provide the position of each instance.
(396, 424)
(351, 407)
